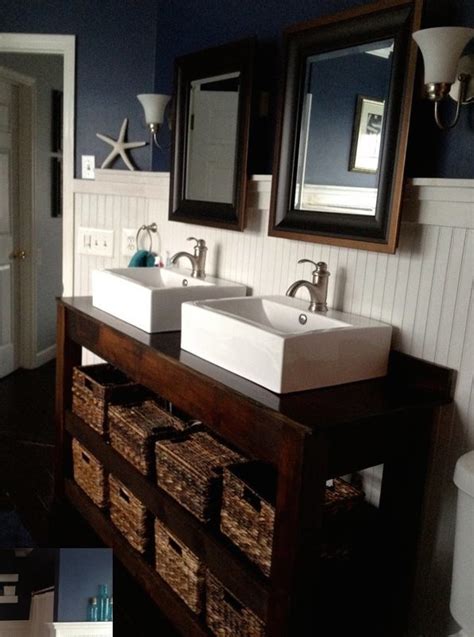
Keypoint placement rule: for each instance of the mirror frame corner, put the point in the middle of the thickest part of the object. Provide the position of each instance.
(235, 56)
(397, 18)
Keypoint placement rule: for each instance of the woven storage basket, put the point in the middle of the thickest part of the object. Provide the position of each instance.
(248, 510)
(226, 616)
(178, 566)
(129, 515)
(134, 429)
(190, 470)
(89, 474)
(94, 387)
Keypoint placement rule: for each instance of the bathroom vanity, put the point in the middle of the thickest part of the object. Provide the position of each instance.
(309, 437)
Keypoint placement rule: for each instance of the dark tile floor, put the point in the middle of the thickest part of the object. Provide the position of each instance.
(26, 485)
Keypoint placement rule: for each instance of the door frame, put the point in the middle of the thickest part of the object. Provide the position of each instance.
(64, 45)
(24, 288)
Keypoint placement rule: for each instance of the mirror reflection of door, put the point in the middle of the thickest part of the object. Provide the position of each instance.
(8, 124)
(341, 129)
(212, 138)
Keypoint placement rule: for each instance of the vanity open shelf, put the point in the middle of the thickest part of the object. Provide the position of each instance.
(308, 436)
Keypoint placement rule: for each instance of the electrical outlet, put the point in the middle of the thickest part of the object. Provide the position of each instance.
(129, 241)
(95, 242)
(88, 167)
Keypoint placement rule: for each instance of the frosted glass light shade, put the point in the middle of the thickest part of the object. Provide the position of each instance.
(154, 106)
(441, 48)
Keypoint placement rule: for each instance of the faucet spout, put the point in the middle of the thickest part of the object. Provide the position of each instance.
(318, 299)
(176, 257)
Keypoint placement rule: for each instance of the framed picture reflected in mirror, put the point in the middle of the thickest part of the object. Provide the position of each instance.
(366, 135)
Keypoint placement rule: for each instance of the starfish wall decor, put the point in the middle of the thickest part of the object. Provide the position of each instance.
(119, 147)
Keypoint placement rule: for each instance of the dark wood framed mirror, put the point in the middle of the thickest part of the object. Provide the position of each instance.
(343, 124)
(213, 90)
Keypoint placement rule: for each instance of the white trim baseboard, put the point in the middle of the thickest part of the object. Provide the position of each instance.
(45, 355)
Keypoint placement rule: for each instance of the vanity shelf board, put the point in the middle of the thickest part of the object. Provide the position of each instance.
(164, 597)
(225, 561)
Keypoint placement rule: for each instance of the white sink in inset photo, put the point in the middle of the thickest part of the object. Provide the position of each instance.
(151, 298)
(276, 342)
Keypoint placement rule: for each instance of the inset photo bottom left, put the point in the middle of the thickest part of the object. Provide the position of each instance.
(56, 592)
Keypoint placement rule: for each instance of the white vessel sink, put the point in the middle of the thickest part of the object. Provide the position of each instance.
(151, 298)
(276, 342)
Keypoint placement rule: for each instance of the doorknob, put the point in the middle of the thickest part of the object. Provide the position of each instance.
(18, 254)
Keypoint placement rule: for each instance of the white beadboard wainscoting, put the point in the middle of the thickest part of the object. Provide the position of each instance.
(424, 291)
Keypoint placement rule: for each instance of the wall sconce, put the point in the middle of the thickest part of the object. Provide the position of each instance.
(154, 106)
(445, 73)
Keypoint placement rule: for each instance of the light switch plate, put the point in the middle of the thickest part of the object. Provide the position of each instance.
(88, 167)
(96, 242)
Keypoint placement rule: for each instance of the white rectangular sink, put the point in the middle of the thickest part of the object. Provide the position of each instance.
(276, 342)
(151, 298)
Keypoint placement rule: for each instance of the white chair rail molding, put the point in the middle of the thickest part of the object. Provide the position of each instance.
(81, 629)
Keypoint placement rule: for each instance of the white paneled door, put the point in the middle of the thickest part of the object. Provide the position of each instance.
(7, 199)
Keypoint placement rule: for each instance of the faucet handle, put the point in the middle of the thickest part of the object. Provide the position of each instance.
(308, 261)
(200, 243)
(320, 268)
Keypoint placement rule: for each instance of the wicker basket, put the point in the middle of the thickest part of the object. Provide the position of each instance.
(179, 567)
(89, 474)
(248, 510)
(129, 515)
(190, 470)
(134, 429)
(226, 616)
(94, 387)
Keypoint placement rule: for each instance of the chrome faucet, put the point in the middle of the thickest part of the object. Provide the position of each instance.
(318, 288)
(198, 259)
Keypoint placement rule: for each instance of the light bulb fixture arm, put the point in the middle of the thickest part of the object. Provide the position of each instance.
(463, 82)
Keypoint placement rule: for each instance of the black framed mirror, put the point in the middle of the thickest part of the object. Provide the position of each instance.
(343, 126)
(213, 90)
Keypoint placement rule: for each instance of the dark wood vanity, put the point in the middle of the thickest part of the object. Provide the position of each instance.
(309, 437)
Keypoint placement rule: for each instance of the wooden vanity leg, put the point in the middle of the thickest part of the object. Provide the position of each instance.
(68, 354)
(297, 539)
(401, 505)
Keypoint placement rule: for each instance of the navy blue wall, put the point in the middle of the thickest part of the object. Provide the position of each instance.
(115, 60)
(79, 574)
(118, 42)
(189, 25)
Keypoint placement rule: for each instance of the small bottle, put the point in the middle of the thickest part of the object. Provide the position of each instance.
(111, 610)
(92, 610)
(105, 610)
(102, 603)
